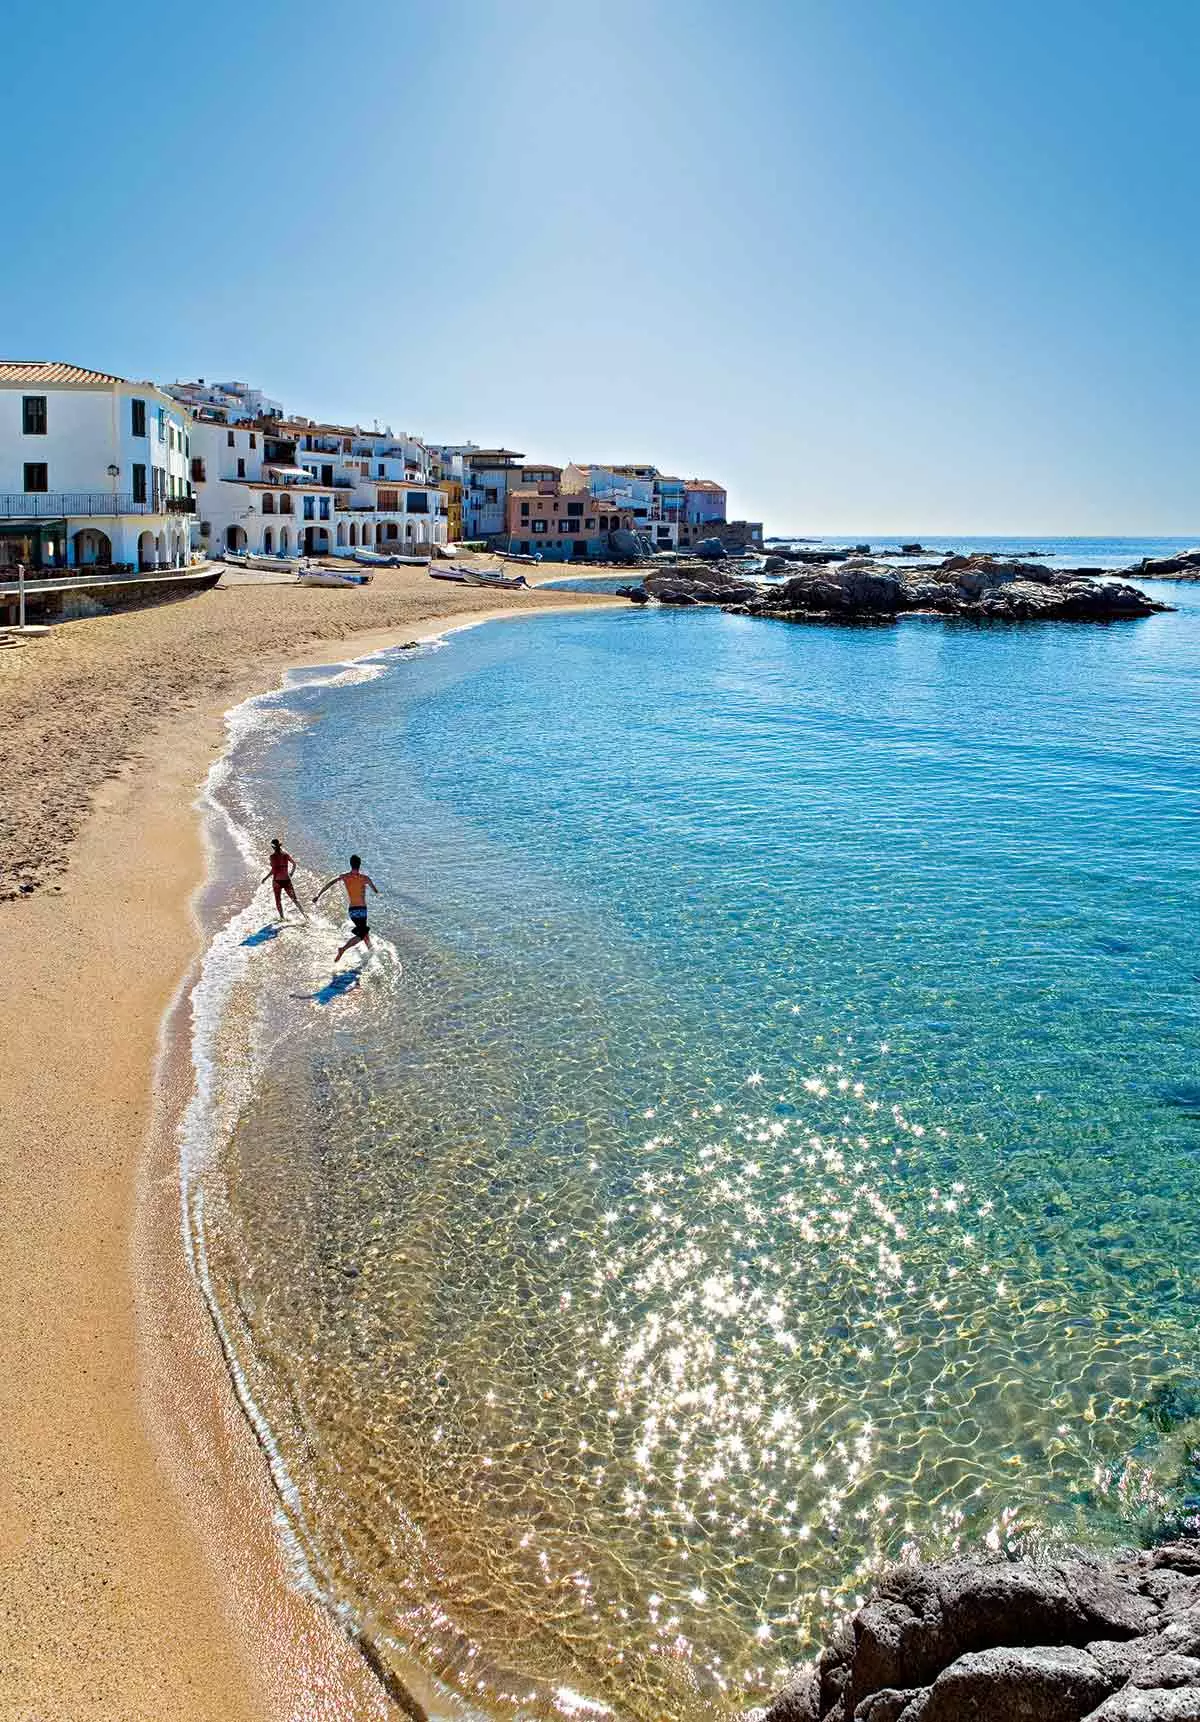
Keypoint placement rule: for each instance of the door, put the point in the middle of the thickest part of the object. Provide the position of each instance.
(327, 475)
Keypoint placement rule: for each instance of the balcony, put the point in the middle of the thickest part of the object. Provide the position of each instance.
(57, 504)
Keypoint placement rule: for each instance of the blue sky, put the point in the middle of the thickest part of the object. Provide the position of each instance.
(922, 265)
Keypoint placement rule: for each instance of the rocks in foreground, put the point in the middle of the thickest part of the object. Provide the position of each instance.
(1001, 1641)
(981, 588)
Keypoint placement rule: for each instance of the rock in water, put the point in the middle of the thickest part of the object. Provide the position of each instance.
(1000, 1641)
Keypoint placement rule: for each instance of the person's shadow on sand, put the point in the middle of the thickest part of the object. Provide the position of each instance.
(337, 988)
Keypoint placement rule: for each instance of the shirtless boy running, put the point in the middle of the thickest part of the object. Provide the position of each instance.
(356, 883)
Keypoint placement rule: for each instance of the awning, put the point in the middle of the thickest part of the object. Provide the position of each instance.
(300, 472)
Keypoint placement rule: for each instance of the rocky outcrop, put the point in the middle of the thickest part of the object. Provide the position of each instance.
(980, 588)
(700, 584)
(1001, 1641)
(1185, 566)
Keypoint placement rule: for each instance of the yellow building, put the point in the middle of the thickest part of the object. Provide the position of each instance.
(452, 490)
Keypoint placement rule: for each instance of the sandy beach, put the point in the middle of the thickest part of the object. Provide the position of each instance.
(140, 1576)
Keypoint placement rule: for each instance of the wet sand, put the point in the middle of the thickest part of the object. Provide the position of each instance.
(140, 1573)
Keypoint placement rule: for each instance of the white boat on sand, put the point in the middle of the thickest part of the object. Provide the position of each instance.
(334, 577)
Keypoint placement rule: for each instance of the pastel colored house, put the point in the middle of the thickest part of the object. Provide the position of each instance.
(562, 526)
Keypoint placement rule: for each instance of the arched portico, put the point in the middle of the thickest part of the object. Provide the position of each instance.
(145, 552)
(90, 546)
(235, 537)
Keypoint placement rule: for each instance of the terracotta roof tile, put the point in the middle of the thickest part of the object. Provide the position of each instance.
(50, 371)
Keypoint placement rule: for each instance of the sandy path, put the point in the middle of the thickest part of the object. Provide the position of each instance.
(139, 1574)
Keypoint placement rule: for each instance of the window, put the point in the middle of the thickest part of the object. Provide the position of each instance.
(574, 508)
(241, 466)
(418, 502)
(139, 484)
(324, 508)
(33, 415)
(253, 440)
(162, 425)
(36, 476)
(285, 504)
(388, 501)
(381, 471)
(137, 416)
(590, 522)
(539, 526)
(268, 503)
(491, 496)
(309, 511)
(566, 526)
(524, 511)
(197, 469)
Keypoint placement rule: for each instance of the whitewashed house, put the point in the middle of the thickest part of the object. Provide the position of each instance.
(252, 495)
(94, 470)
(235, 401)
(388, 495)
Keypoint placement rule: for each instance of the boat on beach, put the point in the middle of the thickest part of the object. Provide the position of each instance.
(495, 577)
(481, 577)
(276, 564)
(333, 577)
(381, 559)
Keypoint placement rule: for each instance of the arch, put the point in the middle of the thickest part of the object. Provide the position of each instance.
(366, 531)
(285, 504)
(235, 537)
(283, 541)
(341, 534)
(91, 546)
(268, 542)
(268, 502)
(145, 551)
(353, 536)
(159, 551)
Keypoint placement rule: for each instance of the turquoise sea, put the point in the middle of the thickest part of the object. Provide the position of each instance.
(764, 1142)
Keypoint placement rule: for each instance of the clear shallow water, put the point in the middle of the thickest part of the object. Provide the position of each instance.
(765, 1140)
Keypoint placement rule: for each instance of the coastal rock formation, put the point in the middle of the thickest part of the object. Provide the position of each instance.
(713, 584)
(1185, 566)
(982, 588)
(1011, 1641)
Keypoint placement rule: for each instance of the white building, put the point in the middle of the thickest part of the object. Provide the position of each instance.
(280, 486)
(252, 495)
(615, 487)
(235, 401)
(94, 470)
